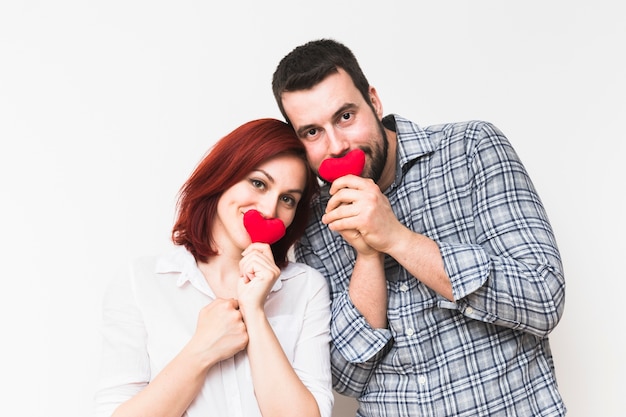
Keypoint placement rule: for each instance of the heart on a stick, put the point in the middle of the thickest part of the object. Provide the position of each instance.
(261, 229)
(351, 163)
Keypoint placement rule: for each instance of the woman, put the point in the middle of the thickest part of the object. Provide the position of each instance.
(223, 326)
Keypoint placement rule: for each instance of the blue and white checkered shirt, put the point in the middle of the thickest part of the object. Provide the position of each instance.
(487, 353)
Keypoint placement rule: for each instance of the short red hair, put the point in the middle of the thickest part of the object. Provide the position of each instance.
(228, 162)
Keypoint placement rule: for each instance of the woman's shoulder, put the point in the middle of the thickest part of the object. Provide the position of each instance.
(171, 262)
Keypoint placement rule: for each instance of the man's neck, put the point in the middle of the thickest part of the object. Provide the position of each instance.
(389, 172)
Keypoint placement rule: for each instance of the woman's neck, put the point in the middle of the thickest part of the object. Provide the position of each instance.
(222, 274)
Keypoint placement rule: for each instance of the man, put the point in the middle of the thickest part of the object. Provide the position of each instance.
(444, 271)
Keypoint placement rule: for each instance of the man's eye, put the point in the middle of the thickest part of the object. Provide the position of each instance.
(346, 116)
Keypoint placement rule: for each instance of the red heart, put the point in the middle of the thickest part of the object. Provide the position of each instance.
(261, 229)
(351, 163)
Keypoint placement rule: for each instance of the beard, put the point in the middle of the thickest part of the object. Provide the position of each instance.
(376, 152)
(377, 155)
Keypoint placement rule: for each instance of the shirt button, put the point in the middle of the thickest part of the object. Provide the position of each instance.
(409, 332)
(421, 380)
(469, 310)
(404, 287)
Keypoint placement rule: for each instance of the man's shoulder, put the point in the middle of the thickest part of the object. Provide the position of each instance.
(470, 133)
(410, 132)
(468, 127)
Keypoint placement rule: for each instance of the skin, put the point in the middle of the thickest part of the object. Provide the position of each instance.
(241, 275)
(331, 119)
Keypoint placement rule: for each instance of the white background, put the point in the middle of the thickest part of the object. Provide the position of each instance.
(106, 107)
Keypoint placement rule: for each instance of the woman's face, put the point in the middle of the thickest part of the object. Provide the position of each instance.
(274, 189)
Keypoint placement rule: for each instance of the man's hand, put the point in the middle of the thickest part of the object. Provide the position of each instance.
(362, 214)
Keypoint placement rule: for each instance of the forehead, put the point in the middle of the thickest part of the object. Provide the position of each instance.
(286, 171)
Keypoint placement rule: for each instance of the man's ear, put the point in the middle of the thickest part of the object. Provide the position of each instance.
(376, 103)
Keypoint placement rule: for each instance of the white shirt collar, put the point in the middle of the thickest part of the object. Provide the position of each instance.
(181, 261)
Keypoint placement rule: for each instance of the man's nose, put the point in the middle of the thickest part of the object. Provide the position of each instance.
(338, 145)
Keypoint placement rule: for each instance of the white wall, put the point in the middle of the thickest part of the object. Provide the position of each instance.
(105, 108)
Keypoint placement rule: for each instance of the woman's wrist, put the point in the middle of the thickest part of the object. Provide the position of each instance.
(252, 314)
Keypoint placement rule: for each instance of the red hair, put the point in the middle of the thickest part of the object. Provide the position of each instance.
(228, 162)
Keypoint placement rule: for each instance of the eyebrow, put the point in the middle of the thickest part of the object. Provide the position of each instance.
(341, 110)
(271, 179)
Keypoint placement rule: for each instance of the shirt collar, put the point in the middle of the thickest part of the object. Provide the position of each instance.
(412, 142)
(180, 261)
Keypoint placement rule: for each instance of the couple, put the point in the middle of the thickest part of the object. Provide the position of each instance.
(428, 284)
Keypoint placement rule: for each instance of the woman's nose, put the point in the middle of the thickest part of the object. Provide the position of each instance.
(267, 207)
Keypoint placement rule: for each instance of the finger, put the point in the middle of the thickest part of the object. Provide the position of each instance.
(253, 266)
(247, 271)
(343, 212)
(257, 247)
(262, 255)
(347, 181)
(348, 197)
(342, 225)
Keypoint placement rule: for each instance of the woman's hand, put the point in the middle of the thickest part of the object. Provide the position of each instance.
(220, 332)
(258, 275)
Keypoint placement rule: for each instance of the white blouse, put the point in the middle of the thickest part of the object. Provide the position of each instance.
(148, 318)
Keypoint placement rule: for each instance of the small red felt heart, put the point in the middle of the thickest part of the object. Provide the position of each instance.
(351, 163)
(261, 229)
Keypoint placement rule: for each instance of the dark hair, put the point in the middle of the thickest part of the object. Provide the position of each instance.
(309, 64)
(228, 162)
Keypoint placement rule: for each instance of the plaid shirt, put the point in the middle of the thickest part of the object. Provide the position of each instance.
(487, 353)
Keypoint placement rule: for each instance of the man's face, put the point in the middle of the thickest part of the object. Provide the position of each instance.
(333, 118)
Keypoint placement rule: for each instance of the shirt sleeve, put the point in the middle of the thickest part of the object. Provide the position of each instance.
(512, 276)
(125, 366)
(356, 347)
(312, 356)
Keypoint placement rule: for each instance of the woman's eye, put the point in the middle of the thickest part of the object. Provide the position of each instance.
(290, 201)
(257, 184)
